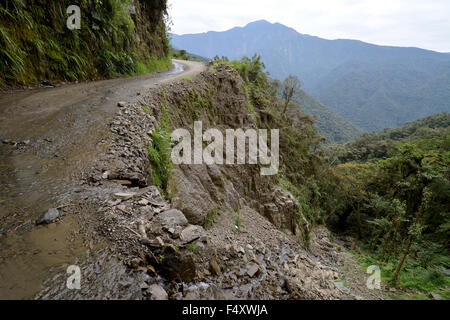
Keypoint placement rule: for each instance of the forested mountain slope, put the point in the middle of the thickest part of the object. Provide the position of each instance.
(372, 86)
(329, 124)
(377, 145)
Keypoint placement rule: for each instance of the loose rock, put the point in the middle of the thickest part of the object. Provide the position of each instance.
(191, 233)
(124, 196)
(48, 217)
(172, 218)
(214, 267)
(253, 269)
(157, 293)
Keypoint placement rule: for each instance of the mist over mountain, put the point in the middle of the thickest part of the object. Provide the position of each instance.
(372, 86)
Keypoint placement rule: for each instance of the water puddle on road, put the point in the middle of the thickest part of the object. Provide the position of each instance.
(177, 68)
(27, 259)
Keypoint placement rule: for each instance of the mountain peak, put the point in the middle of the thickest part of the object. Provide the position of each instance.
(261, 22)
(266, 26)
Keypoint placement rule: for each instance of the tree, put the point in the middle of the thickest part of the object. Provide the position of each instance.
(290, 90)
(415, 230)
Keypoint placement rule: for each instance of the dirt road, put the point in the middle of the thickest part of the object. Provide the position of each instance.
(49, 139)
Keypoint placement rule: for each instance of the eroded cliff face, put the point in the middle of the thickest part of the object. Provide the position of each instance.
(218, 100)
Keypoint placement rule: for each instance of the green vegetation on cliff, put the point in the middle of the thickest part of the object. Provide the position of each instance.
(116, 38)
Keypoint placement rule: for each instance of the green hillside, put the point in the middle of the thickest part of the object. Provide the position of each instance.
(116, 38)
(377, 145)
(330, 125)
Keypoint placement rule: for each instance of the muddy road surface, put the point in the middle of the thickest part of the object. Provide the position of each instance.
(49, 139)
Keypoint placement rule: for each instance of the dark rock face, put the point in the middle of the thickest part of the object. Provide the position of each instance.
(281, 209)
(174, 265)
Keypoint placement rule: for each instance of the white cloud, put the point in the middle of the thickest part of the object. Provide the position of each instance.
(418, 23)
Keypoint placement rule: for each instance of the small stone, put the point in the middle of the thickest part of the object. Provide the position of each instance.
(160, 241)
(214, 267)
(144, 285)
(191, 233)
(122, 104)
(154, 244)
(253, 269)
(124, 196)
(157, 292)
(48, 217)
(199, 246)
(143, 202)
(122, 182)
(239, 249)
(105, 175)
(435, 296)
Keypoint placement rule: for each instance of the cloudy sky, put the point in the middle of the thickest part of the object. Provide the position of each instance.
(418, 23)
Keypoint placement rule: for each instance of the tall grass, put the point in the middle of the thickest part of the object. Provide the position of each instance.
(35, 43)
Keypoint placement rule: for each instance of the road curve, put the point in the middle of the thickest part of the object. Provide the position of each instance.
(59, 133)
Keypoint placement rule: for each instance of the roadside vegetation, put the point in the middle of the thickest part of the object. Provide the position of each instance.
(36, 45)
(184, 55)
(159, 153)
